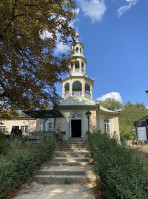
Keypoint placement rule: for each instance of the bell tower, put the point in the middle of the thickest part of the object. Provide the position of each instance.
(77, 61)
(77, 84)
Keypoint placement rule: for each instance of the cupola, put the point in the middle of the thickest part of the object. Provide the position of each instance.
(77, 83)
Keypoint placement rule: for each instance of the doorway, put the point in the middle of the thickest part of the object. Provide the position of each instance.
(76, 128)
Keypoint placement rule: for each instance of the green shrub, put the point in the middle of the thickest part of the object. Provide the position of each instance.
(122, 174)
(18, 168)
(4, 144)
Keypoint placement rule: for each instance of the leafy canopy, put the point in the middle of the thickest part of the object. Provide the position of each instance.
(129, 114)
(111, 104)
(29, 67)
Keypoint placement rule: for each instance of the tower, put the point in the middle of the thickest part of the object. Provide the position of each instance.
(77, 83)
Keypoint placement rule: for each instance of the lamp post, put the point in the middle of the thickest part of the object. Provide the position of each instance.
(88, 114)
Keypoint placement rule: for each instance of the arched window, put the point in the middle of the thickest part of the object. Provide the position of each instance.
(80, 50)
(87, 90)
(67, 89)
(77, 65)
(77, 88)
(106, 125)
(77, 49)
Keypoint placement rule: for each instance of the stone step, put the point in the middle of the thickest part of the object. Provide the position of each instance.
(64, 170)
(65, 159)
(72, 150)
(63, 179)
(71, 146)
(81, 164)
(70, 154)
(76, 140)
(73, 143)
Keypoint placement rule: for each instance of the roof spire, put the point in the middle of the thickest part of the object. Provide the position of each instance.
(77, 34)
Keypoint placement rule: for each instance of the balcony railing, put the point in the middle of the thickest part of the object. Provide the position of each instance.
(76, 70)
(77, 93)
(67, 94)
(87, 95)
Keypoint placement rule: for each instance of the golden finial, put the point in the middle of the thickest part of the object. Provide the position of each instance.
(77, 34)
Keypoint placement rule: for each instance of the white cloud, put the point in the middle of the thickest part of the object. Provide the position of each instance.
(46, 34)
(112, 95)
(61, 47)
(125, 8)
(95, 9)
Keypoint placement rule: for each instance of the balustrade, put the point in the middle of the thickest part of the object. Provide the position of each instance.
(67, 94)
(87, 95)
(77, 93)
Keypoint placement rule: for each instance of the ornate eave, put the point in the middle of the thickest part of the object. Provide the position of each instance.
(77, 107)
(77, 56)
(104, 111)
(80, 77)
(77, 42)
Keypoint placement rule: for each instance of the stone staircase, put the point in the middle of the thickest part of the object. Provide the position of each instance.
(70, 164)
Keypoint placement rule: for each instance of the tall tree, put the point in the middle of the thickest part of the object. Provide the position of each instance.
(29, 67)
(111, 104)
(129, 114)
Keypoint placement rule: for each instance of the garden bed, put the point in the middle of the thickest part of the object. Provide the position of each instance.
(18, 167)
(122, 174)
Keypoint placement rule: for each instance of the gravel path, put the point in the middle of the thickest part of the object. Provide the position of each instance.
(53, 191)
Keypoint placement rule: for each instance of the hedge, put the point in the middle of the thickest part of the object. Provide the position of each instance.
(18, 168)
(122, 175)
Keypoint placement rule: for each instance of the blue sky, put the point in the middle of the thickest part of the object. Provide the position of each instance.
(115, 38)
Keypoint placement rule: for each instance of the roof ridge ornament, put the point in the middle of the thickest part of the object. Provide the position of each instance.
(77, 34)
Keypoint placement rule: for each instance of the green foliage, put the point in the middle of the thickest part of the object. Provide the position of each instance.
(129, 114)
(122, 175)
(29, 66)
(4, 144)
(18, 168)
(111, 104)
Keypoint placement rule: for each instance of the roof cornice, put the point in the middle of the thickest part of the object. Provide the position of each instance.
(80, 77)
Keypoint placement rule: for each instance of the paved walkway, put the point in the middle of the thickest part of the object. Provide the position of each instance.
(53, 191)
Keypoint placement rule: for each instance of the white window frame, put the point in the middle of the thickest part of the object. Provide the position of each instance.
(49, 125)
(106, 125)
(23, 128)
(1, 129)
(20, 128)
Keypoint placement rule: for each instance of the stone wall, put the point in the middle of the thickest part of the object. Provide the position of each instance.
(93, 121)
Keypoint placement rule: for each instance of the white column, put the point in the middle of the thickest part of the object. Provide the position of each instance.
(70, 88)
(74, 67)
(80, 66)
(83, 88)
(63, 91)
(91, 91)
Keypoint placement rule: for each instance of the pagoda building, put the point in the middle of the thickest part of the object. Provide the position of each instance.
(77, 99)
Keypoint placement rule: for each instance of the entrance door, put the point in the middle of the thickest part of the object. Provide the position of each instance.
(75, 128)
